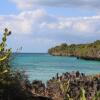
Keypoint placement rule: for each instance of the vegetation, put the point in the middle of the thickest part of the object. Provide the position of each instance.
(4, 53)
(74, 86)
(14, 85)
(9, 80)
(85, 51)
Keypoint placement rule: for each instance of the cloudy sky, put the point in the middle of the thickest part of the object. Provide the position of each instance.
(40, 24)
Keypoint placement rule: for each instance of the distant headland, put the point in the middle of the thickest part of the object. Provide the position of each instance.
(89, 51)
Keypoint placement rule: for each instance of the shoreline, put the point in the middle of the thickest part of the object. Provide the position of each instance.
(68, 85)
(86, 51)
(78, 57)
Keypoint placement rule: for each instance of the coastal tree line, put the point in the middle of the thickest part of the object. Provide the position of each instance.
(85, 51)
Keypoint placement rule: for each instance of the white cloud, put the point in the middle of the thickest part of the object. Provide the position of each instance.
(41, 24)
(37, 26)
(24, 22)
(24, 4)
(82, 26)
(75, 25)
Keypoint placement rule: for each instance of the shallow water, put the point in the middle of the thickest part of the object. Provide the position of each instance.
(44, 66)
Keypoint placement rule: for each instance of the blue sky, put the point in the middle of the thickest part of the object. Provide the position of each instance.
(40, 24)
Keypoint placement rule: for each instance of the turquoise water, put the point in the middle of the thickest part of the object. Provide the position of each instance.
(45, 66)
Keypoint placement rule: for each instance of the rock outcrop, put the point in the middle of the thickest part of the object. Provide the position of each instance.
(68, 86)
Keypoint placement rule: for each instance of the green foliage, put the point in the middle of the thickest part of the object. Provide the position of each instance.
(4, 53)
(97, 96)
(82, 94)
(64, 86)
(11, 87)
(14, 85)
(91, 50)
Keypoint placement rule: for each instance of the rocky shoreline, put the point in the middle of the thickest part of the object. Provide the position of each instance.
(68, 86)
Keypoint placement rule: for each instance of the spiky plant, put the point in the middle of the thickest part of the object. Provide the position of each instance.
(82, 94)
(64, 86)
(4, 53)
(97, 96)
(4, 58)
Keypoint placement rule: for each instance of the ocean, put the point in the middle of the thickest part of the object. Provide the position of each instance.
(38, 66)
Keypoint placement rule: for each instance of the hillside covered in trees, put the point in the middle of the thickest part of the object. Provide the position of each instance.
(89, 51)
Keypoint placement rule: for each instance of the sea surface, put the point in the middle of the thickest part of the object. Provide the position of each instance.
(38, 66)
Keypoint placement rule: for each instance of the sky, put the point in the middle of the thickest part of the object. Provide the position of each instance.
(37, 25)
